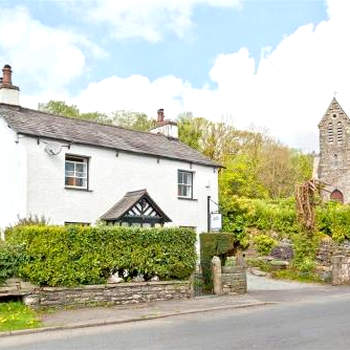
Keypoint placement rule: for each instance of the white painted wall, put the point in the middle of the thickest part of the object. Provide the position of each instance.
(169, 130)
(110, 178)
(13, 177)
(9, 96)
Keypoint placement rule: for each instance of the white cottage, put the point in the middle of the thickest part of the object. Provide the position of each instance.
(76, 171)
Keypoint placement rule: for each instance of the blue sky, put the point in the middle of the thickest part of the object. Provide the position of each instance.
(256, 25)
(211, 57)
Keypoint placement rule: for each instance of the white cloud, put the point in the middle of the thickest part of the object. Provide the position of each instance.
(148, 19)
(287, 91)
(49, 58)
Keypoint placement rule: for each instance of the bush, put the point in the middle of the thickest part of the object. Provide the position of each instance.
(11, 257)
(305, 249)
(265, 215)
(333, 219)
(264, 244)
(73, 255)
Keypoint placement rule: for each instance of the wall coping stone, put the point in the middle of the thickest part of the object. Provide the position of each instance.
(110, 286)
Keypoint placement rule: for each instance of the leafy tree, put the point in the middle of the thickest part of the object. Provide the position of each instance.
(61, 108)
(133, 120)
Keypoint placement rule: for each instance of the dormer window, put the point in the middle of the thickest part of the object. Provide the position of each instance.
(330, 133)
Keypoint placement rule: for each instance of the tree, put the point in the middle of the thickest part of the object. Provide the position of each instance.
(61, 108)
(133, 120)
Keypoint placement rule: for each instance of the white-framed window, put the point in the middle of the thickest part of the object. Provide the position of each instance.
(184, 184)
(76, 172)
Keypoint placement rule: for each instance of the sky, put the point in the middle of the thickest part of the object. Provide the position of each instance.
(269, 65)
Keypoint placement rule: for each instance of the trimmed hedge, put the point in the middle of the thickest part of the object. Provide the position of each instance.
(11, 257)
(215, 244)
(73, 255)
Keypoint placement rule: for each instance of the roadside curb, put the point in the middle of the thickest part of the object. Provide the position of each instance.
(135, 319)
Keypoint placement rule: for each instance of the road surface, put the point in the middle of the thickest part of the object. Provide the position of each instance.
(321, 321)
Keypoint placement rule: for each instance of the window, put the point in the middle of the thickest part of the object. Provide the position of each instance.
(76, 172)
(339, 132)
(330, 133)
(185, 184)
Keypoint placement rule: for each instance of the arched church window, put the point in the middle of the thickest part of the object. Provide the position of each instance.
(330, 132)
(339, 132)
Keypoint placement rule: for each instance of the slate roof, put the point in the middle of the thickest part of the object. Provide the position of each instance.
(36, 123)
(127, 202)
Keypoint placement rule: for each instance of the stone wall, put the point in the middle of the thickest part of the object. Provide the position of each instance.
(116, 293)
(234, 280)
(340, 270)
(324, 259)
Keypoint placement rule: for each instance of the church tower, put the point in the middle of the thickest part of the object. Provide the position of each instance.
(334, 160)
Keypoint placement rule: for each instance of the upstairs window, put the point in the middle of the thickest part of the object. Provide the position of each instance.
(185, 184)
(76, 172)
(330, 133)
(339, 132)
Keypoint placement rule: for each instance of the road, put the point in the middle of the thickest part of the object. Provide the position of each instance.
(320, 321)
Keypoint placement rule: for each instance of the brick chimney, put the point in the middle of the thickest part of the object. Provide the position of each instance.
(8, 93)
(160, 118)
(165, 127)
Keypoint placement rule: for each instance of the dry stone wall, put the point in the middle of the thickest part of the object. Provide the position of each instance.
(234, 280)
(117, 293)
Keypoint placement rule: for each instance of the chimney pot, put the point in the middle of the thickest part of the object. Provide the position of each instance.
(7, 75)
(160, 115)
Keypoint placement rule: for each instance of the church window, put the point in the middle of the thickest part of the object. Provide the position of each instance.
(339, 132)
(334, 115)
(330, 133)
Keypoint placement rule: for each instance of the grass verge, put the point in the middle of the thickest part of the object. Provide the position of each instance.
(294, 275)
(15, 316)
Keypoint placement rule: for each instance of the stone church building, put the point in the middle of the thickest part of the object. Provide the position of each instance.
(332, 167)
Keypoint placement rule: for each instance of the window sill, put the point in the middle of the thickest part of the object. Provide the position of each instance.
(77, 189)
(188, 199)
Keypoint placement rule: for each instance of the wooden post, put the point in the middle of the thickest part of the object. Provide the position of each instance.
(216, 273)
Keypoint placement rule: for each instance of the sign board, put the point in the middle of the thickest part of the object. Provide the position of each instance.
(215, 222)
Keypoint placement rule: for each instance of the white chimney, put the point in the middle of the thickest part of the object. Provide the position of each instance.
(167, 128)
(8, 93)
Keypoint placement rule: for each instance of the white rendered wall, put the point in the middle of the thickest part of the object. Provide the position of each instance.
(13, 180)
(169, 130)
(110, 178)
(9, 96)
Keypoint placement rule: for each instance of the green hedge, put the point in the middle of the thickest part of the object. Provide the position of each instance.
(11, 257)
(215, 244)
(73, 255)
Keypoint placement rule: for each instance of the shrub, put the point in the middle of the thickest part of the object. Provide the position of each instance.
(305, 249)
(333, 219)
(264, 244)
(73, 255)
(11, 257)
